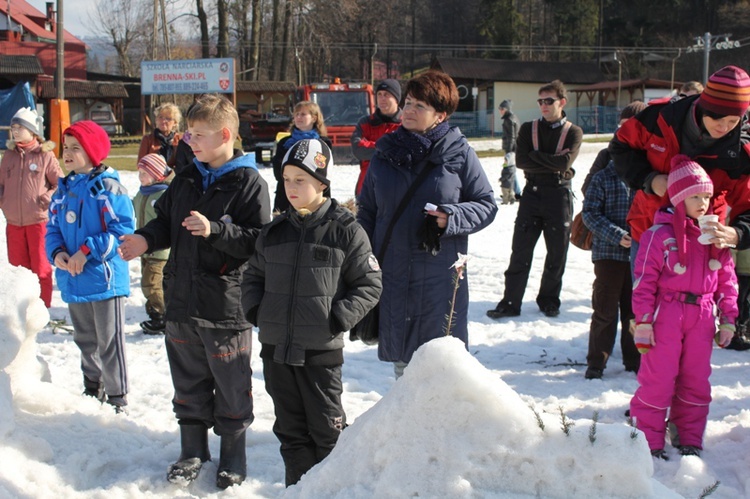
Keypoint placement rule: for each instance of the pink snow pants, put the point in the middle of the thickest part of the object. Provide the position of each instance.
(674, 375)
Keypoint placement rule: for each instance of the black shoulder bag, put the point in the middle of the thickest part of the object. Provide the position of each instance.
(368, 329)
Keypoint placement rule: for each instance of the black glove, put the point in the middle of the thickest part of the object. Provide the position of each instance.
(429, 235)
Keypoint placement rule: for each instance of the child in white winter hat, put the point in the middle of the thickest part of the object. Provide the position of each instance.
(29, 172)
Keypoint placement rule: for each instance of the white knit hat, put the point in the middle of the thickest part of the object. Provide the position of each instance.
(28, 118)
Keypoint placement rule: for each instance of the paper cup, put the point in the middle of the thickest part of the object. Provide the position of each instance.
(705, 219)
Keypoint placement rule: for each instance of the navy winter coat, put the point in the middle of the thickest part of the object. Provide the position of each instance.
(418, 287)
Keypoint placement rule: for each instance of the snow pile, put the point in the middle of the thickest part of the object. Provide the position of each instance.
(22, 316)
(451, 428)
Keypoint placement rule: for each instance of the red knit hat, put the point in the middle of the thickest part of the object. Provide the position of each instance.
(686, 178)
(93, 139)
(154, 165)
(727, 92)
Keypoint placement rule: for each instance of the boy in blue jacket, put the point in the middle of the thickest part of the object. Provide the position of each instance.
(88, 213)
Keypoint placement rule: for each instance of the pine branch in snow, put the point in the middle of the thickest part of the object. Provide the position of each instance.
(459, 266)
(592, 429)
(565, 421)
(634, 431)
(709, 490)
(539, 421)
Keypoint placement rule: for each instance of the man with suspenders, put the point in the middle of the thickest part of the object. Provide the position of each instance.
(545, 150)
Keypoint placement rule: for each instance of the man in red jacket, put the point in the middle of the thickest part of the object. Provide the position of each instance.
(385, 119)
(711, 128)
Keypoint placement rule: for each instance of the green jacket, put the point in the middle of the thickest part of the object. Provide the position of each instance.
(144, 213)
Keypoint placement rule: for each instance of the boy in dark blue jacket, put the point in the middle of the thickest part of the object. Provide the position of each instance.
(210, 217)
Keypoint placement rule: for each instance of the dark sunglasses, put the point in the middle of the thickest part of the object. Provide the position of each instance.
(547, 100)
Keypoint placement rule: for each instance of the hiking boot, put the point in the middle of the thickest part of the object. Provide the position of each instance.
(660, 454)
(689, 450)
(153, 326)
(502, 311)
(738, 343)
(550, 310)
(594, 373)
(194, 445)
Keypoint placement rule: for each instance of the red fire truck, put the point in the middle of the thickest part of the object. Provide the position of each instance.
(342, 104)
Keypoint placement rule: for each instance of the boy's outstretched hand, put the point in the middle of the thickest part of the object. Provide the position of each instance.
(132, 246)
(197, 224)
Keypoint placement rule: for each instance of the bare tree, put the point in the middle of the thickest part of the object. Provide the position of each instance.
(222, 14)
(255, 53)
(121, 22)
(203, 21)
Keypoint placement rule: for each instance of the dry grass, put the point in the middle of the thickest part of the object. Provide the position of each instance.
(123, 157)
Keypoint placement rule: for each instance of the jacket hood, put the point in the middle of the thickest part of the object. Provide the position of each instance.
(46, 146)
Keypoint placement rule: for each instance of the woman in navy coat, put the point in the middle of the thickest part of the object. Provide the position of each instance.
(417, 274)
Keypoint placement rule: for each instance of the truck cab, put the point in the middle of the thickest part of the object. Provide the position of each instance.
(342, 105)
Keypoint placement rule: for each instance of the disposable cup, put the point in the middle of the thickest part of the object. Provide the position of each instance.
(703, 221)
(706, 219)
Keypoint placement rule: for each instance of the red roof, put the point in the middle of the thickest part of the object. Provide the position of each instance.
(32, 20)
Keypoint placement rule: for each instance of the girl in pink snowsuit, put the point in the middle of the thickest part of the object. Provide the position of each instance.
(677, 282)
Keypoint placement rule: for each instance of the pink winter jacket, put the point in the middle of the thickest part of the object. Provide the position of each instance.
(658, 276)
(27, 181)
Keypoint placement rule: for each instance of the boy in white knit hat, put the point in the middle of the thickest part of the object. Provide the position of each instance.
(153, 174)
(28, 176)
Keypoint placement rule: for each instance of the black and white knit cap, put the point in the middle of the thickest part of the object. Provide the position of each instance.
(312, 155)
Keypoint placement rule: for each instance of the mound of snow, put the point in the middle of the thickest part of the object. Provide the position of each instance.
(449, 427)
(22, 316)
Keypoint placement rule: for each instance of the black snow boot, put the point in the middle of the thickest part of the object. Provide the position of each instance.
(232, 462)
(194, 442)
(155, 325)
(93, 389)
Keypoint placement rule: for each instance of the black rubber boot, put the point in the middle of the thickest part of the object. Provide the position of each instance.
(232, 462)
(194, 442)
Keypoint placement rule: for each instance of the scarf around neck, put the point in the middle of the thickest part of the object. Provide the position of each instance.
(298, 135)
(147, 190)
(417, 146)
(165, 142)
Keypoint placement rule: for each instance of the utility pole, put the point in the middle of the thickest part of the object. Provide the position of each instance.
(708, 42)
(60, 71)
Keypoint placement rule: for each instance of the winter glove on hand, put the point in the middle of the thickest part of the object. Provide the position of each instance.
(429, 235)
(644, 337)
(725, 335)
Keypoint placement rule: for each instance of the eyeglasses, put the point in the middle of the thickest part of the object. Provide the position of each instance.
(547, 101)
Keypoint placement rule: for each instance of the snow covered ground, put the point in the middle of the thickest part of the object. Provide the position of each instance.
(458, 424)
